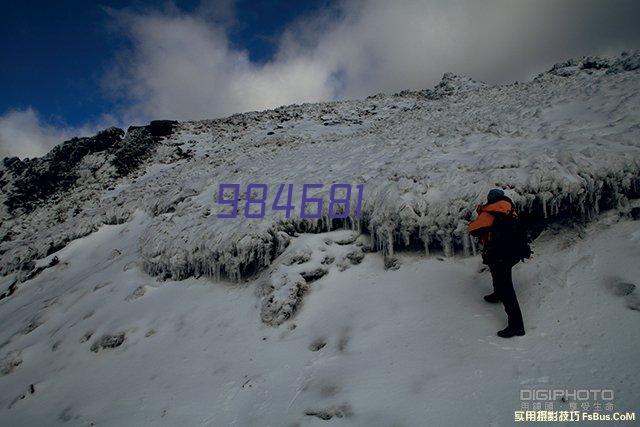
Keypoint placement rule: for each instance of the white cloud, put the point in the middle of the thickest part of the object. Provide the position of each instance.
(182, 65)
(24, 134)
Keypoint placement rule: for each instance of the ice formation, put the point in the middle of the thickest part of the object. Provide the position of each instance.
(307, 259)
(566, 144)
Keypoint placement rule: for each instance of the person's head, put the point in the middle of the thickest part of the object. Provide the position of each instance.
(495, 195)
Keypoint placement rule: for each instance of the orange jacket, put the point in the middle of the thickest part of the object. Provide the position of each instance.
(481, 226)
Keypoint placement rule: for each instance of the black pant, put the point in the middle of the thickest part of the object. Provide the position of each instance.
(503, 288)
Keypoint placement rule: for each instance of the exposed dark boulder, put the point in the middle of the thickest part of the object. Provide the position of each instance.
(159, 128)
(30, 181)
(13, 164)
(72, 151)
(108, 341)
(627, 61)
(137, 144)
(132, 149)
(595, 63)
(36, 179)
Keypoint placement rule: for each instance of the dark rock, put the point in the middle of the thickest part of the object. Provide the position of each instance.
(623, 288)
(35, 323)
(133, 127)
(298, 258)
(132, 150)
(328, 259)
(310, 276)
(391, 263)
(10, 362)
(137, 293)
(27, 265)
(339, 411)
(356, 256)
(10, 290)
(33, 273)
(594, 63)
(275, 312)
(86, 337)
(635, 213)
(13, 164)
(346, 239)
(179, 153)
(450, 84)
(627, 61)
(36, 179)
(108, 341)
(159, 128)
(137, 144)
(317, 344)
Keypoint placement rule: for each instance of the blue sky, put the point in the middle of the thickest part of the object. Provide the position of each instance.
(55, 53)
(72, 68)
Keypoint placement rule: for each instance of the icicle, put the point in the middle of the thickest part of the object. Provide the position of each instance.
(474, 249)
(447, 246)
(465, 243)
(390, 243)
(424, 237)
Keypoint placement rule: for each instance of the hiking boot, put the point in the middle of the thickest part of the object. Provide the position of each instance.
(509, 332)
(492, 298)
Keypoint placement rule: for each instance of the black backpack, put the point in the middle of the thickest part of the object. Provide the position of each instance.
(511, 238)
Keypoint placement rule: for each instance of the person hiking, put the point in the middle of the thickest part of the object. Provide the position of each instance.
(503, 245)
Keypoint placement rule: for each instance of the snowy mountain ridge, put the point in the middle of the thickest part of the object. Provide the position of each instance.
(564, 144)
(115, 303)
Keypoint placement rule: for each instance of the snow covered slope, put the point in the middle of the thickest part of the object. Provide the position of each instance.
(115, 296)
(370, 347)
(566, 143)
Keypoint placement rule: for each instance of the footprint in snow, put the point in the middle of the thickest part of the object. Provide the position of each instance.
(344, 340)
(626, 290)
(633, 302)
(101, 285)
(33, 324)
(86, 337)
(137, 293)
(318, 344)
(30, 390)
(620, 288)
(338, 411)
(108, 341)
(10, 362)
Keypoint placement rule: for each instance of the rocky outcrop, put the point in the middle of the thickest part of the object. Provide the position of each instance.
(627, 61)
(28, 182)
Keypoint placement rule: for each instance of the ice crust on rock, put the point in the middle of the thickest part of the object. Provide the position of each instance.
(453, 84)
(626, 61)
(308, 258)
(10, 362)
(566, 144)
